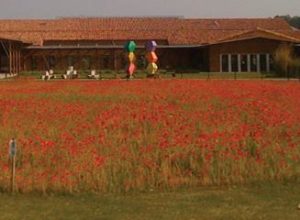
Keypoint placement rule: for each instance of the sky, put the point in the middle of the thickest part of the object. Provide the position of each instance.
(15, 9)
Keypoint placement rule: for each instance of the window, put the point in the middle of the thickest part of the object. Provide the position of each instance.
(225, 63)
(71, 60)
(141, 62)
(244, 63)
(4, 63)
(104, 62)
(253, 63)
(234, 63)
(51, 62)
(123, 61)
(271, 63)
(86, 62)
(263, 62)
(33, 63)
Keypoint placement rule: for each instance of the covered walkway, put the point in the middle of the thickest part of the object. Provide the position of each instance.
(10, 56)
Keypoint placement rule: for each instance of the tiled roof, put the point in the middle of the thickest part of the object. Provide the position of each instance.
(5, 37)
(178, 31)
(281, 35)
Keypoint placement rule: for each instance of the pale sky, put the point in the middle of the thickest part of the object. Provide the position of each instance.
(130, 8)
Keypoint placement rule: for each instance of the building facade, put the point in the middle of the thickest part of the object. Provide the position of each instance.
(215, 45)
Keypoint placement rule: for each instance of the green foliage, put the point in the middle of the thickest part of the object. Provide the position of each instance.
(293, 21)
(286, 63)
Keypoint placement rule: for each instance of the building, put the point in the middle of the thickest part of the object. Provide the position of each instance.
(216, 45)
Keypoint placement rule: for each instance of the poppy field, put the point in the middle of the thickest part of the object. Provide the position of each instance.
(119, 136)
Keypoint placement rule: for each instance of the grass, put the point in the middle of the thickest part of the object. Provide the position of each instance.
(268, 201)
(110, 74)
(140, 74)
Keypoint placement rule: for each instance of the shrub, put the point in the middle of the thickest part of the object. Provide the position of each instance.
(286, 63)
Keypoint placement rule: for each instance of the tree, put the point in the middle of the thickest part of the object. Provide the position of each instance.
(283, 59)
(293, 21)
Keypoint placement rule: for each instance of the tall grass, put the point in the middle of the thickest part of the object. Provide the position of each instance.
(119, 136)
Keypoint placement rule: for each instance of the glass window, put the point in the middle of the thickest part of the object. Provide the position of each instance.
(141, 62)
(86, 62)
(123, 61)
(33, 63)
(225, 63)
(271, 60)
(244, 63)
(104, 62)
(4, 63)
(253, 63)
(51, 62)
(234, 63)
(263, 62)
(71, 60)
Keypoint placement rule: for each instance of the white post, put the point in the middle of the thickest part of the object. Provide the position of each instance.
(221, 70)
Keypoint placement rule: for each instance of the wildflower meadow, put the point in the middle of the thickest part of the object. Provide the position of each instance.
(119, 136)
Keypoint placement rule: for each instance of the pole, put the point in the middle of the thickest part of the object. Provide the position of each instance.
(10, 59)
(12, 154)
(13, 173)
(208, 76)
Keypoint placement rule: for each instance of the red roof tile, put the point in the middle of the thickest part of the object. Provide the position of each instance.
(177, 31)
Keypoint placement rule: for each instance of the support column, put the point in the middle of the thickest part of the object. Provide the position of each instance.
(19, 59)
(14, 59)
(221, 70)
(94, 60)
(115, 62)
(10, 57)
(17, 71)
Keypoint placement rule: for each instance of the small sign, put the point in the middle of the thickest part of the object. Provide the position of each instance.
(12, 148)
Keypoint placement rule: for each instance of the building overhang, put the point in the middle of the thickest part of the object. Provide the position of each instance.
(64, 47)
(4, 39)
(183, 46)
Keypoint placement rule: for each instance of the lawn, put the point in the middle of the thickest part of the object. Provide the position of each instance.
(110, 74)
(267, 201)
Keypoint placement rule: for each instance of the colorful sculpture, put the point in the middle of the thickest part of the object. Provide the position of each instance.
(130, 47)
(151, 58)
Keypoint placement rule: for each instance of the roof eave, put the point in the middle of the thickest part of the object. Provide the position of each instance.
(61, 47)
(255, 37)
(14, 40)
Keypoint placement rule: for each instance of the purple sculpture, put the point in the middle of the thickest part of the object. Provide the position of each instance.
(151, 46)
